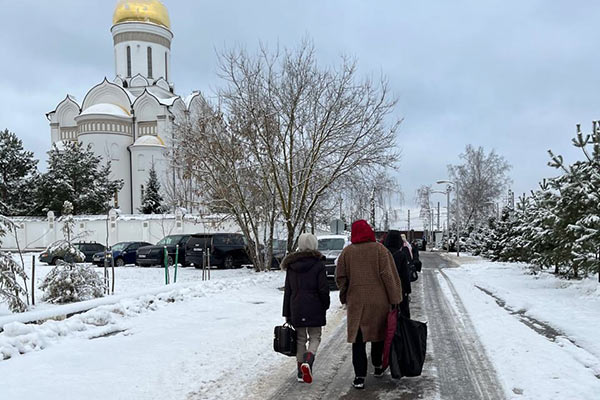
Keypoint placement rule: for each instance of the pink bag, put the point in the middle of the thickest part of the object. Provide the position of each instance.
(392, 320)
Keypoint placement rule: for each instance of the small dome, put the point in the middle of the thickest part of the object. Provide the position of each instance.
(106, 108)
(149, 140)
(142, 11)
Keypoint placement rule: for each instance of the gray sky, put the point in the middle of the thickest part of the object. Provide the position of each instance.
(513, 76)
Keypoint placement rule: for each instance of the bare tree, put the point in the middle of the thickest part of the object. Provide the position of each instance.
(424, 201)
(285, 131)
(482, 178)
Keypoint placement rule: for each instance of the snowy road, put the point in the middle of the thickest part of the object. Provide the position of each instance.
(456, 366)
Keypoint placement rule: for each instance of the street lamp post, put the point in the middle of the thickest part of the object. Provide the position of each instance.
(447, 193)
(455, 184)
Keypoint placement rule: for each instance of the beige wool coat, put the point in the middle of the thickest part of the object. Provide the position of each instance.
(368, 283)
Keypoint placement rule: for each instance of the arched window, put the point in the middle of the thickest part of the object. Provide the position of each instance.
(166, 68)
(149, 62)
(142, 191)
(128, 61)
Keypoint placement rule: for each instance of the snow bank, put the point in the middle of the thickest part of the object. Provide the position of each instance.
(541, 332)
(19, 338)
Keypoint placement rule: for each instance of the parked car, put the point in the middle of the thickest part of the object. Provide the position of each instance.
(279, 251)
(123, 253)
(154, 255)
(227, 250)
(57, 251)
(419, 243)
(331, 247)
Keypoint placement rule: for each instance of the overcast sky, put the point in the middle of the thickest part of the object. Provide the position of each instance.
(513, 76)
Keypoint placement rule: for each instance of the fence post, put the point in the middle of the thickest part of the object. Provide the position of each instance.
(176, 260)
(166, 266)
(33, 280)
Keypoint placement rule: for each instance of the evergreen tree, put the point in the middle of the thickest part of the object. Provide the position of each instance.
(11, 291)
(76, 175)
(18, 173)
(152, 202)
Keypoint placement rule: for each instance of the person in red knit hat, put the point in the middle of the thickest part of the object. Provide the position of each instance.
(369, 285)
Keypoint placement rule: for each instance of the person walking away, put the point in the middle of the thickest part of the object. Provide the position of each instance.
(407, 249)
(369, 284)
(305, 301)
(393, 242)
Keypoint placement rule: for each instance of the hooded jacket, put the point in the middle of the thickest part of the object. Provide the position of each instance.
(393, 242)
(306, 294)
(361, 232)
(368, 283)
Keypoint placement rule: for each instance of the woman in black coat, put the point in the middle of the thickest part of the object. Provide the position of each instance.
(394, 243)
(306, 300)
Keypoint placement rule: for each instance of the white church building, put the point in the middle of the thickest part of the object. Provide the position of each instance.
(129, 120)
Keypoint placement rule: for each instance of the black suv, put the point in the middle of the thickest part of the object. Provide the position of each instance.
(155, 255)
(226, 249)
(56, 251)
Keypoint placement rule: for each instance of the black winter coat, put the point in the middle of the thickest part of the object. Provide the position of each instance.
(393, 242)
(306, 295)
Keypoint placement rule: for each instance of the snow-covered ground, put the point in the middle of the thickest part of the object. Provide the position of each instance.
(128, 279)
(541, 333)
(195, 340)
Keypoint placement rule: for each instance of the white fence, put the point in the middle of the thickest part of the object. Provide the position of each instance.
(37, 233)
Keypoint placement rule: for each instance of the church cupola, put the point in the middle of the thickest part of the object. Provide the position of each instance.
(142, 41)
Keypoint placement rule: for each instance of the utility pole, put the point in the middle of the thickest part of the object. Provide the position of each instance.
(373, 209)
(438, 217)
(408, 230)
(448, 215)
(457, 220)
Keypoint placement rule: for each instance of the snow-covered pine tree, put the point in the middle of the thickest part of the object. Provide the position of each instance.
(11, 291)
(542, 235)
(77, 175)
(18, 174)
(69, 283)
(579, 206)
(152, 202)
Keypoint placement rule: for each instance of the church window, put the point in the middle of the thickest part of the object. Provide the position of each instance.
(142, 191)
(128, 61)
(149, 62)
(116, 199)
(166, 67)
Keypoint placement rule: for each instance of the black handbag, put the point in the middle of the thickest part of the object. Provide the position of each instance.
(409, 348)
(413, 273)
(284, 340)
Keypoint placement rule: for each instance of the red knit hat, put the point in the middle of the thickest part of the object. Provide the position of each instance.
(362, 232)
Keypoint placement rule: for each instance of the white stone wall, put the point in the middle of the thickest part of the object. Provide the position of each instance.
(36, 234)
(113, 147)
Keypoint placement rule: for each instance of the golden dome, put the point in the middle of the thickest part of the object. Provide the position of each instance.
(142, 11)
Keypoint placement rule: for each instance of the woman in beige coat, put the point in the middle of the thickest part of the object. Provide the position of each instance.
(369, 285)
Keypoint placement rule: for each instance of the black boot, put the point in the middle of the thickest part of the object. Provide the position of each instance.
(306, 367)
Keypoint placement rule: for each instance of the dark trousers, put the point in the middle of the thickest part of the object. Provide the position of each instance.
(359, 355)
(405, 307)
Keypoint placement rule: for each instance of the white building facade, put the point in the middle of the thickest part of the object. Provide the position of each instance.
(130, 119)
